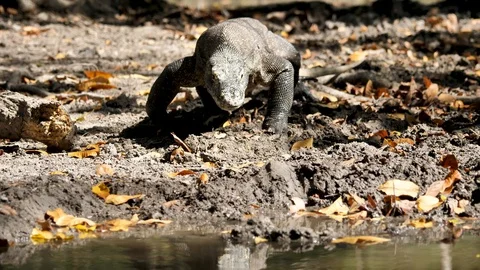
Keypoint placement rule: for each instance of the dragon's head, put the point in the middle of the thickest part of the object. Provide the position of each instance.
(226, 80)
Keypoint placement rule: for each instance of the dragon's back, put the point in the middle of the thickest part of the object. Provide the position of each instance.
(244, 35)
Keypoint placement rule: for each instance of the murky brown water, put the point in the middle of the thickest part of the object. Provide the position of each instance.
(187, 251)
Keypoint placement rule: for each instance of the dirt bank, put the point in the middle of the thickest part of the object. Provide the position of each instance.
(255, 173)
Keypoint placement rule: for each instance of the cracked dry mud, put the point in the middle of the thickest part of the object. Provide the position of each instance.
(256, 174)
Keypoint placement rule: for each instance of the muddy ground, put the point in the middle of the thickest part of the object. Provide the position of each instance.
(256, 173)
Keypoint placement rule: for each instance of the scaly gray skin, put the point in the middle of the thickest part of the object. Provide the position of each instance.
(230, 60)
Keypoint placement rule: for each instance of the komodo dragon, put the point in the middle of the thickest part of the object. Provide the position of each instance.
(230, 60)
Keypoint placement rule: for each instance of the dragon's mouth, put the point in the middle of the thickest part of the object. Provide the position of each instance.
(228, 102)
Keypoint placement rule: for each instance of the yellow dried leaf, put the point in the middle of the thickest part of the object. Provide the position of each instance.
(421, 223)
(431, 93)
(446, 98)
(37, 152)
(181, 173)
(144, 92)
(119, 225)
(154, 221)
(452, 177)
(60, 56)
(84, 228)
(38, 236)
(227, 124)
(427, 203)
(58, 173)
(95, 84)
(90, 74)
(91, 150)
(307, 54)
(337, 207)
(86, 235)
(308, 143)
(177, 152)
(209, 165)
(121, 199)
(357, 56)
(104, 169)
(259, 240)
(360, 240)
(404, 140)
(399, 188)
(101, 190)
(81, 221)
(32, 30)
(55, 214)
(64, 221)
(63, 237)
(203, 179)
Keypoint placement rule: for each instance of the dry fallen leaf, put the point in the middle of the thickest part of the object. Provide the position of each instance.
(90, 74)
(170, 203)
(404, 140)
(63, 237)
(308, 143)
(209, 165)
(358, 56)
(298, 205)
(177, 153)
(307, 54)
(427, 203)
(95, 84)
(399, 188)
(203, 179)
(92, 150)
(450, 162)
(227, 123)
(435, 188)
(120, 225)
(431, 93)
(32, 30)
(360, 240)
(7, 210)
(39, 236)
(259, 240)
(60, 56)
(181, 143)
(58, 173)
(101, 190)
(121, 199)
(181, 173)
(55, 214)
(427, 82)
(37, 152)
(420, 223)
(452, 177)
(104, 169)
(337, 207)
(154, 221)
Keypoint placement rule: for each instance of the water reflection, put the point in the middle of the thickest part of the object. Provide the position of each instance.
(212, 252)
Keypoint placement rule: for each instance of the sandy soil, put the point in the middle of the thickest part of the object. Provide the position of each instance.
(255, 173)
